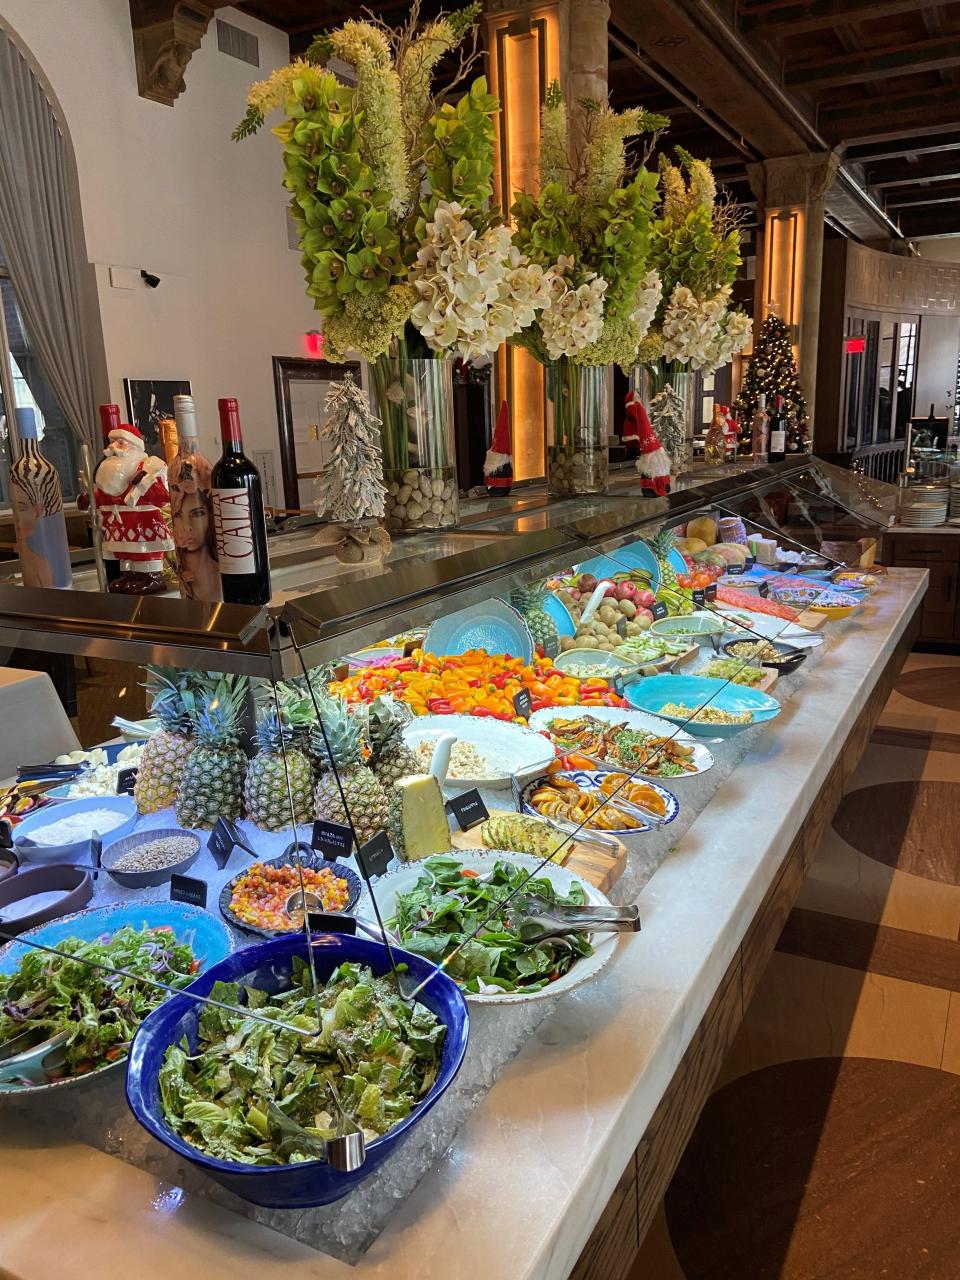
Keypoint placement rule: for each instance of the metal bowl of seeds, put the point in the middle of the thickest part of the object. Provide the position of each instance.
(149, 858)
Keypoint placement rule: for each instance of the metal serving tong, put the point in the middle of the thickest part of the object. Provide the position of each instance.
(535, 921)
(345, 1152)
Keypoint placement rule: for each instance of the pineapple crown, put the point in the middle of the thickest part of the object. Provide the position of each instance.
(384, 721)
(343, 734)
(529, 598)
(217, 723)
(173, 697)
(274, 732)
(662, 542)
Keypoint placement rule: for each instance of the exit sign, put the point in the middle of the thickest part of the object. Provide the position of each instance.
(854, 346)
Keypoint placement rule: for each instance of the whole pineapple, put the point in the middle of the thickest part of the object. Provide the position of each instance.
(173, 702)
(265, 788)
(661, 545)
(390, 757)
(365, 796)
(211, 785)
(529, 602)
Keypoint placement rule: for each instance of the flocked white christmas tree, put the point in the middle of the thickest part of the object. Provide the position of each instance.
(351, 487)
(668, 419)
(350, 490)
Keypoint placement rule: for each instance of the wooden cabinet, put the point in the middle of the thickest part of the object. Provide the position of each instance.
(940, 554)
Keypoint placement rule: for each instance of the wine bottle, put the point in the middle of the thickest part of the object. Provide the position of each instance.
(191, 506)
(240, 526)
(37, 503)
(759, 430)
(778, 433)
(109, 421)
(715, 444)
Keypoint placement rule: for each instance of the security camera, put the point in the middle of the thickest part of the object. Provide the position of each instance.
(150, 280)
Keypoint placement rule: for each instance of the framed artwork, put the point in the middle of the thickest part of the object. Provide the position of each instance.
(149, 400)
(301, 388)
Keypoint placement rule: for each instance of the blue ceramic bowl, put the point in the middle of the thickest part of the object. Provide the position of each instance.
(653, 693)
(554, 608)
(268, 965)
(77, 850)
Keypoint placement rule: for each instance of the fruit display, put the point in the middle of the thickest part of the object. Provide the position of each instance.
(211, 784)
(417, 820)
(523, 834)
(340, 752)
(529, 601)
(265, 789)
(560, 797)
(174, 697)
(473, 683)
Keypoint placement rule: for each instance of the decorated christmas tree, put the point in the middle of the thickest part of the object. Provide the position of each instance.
(668, 420)
(772, 372)
(350, 490)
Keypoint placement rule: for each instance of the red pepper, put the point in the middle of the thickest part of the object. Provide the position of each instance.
(404, 664)
(483, 712)
(501, 679)
(538, 704)
(440, 706)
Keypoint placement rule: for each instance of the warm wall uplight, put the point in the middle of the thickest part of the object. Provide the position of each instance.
(524, 58)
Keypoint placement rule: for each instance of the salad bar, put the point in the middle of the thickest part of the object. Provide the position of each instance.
(363, 846)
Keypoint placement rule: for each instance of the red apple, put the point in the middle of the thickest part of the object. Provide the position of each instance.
(645, 599)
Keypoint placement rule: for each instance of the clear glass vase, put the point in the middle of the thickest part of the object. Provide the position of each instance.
(648, 380)
(415, 404)
(578, 428)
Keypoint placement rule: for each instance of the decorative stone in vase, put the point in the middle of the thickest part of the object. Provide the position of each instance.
(415, 402)
(578, 426)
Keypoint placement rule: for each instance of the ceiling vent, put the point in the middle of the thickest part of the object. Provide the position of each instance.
(238, 43)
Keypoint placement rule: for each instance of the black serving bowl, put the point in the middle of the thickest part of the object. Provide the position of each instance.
(791, 657)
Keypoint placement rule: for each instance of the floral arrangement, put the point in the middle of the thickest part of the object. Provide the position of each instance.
(590, 230)
(391, 192)
(696, 250)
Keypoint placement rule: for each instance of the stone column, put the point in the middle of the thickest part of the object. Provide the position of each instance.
(791, 192)
(531, 43)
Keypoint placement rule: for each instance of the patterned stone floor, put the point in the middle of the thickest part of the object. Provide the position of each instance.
(830, 1149)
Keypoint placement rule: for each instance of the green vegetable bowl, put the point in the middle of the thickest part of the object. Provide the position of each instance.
(482, 863)
(269, 967)
(40, 1068)
(698, 626)
(604, 663)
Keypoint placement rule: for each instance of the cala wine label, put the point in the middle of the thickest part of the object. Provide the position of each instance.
(239, 524)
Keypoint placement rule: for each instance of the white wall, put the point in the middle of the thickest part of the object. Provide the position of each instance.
(166, 189)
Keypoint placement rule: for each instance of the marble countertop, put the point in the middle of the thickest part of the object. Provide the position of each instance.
(518, 1193)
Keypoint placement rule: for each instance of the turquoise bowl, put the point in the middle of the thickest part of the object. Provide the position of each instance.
(653, 693)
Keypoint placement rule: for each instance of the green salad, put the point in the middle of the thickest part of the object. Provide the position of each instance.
(49, 994)
(381, 1055)
(448, 903)
(732, 669)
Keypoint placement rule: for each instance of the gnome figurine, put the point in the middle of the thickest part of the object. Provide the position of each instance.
(654, 462)
(498, 464)
(636, 419)
(130, 493)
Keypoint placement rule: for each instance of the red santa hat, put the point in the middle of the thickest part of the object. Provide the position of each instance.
(129, 434)
(500, 454)
(636, 421)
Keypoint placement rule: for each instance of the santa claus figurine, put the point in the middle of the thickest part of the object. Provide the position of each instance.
(130, 490)
(498, 464)
(635, 420)
(653, 462)
(731, 430)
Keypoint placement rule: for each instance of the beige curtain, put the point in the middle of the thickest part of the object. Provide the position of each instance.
(38, 232)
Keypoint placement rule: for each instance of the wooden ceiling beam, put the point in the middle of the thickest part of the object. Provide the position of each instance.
(684, 47)
(905, 197)
(892, 116)
(932, 54)
(795, 17)
(906, 173)
(869, 153)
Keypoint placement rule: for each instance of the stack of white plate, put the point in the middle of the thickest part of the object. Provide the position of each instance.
(955, 500)
(923, 506)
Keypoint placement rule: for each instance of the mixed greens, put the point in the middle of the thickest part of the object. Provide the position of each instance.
(448, 903)
(381, 1055)
(98, 1009)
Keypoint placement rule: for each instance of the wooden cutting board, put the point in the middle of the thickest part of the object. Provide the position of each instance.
(598, 868)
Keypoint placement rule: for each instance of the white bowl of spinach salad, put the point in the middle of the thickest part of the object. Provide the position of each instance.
(434, 905)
